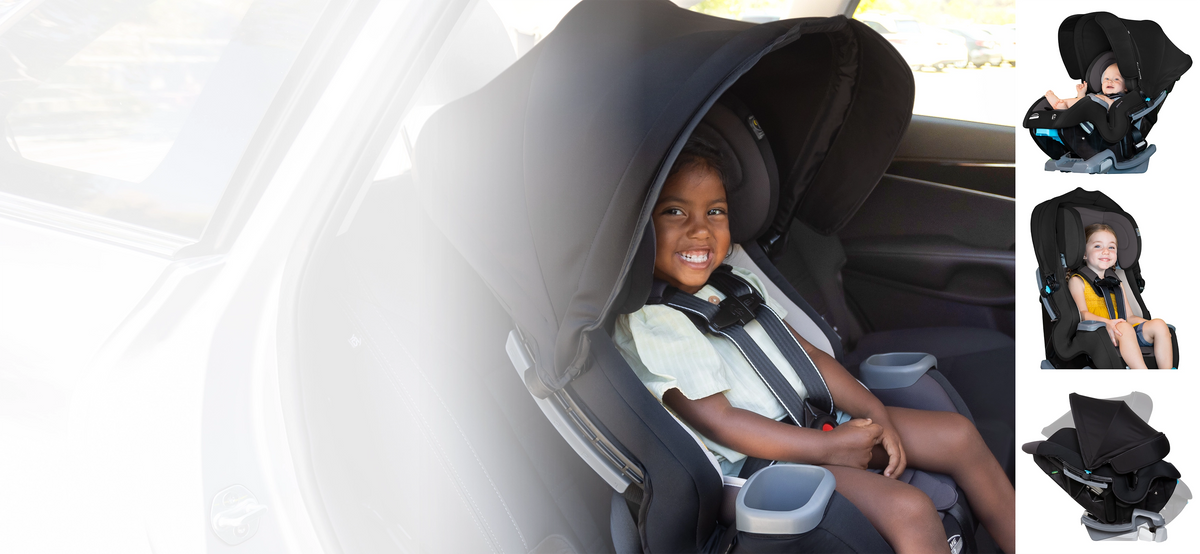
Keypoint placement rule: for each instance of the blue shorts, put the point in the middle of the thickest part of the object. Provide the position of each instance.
(1141, 340)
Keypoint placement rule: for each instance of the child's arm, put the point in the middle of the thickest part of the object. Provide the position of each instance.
(1075, 285)
(849, 444)
(853, 398)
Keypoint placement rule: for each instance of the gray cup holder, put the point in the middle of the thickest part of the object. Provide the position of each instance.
(784, 499)
(895, 370)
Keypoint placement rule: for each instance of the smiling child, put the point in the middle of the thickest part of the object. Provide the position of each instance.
(1100, 253)
(707, 383)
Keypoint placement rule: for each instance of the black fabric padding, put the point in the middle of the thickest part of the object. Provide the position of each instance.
(570, 145)
(1095, 73)
(682, 491)
(1070, 237)
(775, 276)
(1112, 123)
(641, 276)
(1109, 428)
(749, 188)
(844, 529)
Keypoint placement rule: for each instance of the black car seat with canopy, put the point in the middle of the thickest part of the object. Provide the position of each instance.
(1057, 228)
(1110, 461)
(1087, 137)
(544, 181)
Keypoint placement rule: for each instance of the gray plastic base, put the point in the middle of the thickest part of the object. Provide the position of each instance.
(895, 370)
(1104, 162)
(1144, 525)
(784, 499)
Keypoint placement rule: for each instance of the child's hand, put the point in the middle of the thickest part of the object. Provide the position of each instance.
(853, 442)
(897, 460)
(1113, 332)
(1080, 90)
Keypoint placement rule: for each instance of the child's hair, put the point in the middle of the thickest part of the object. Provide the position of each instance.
(1096, 228)
(699, 153)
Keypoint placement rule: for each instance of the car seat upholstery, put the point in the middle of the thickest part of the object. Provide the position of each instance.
(1058, 226)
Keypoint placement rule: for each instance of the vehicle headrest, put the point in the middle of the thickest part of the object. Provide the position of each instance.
(1128, 239)
(1095, 72)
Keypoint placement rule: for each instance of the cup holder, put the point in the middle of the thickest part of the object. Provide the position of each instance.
(784, 499)
(895, 370)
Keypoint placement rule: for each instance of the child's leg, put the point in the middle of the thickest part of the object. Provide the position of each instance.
(948, 443)
(1158, 334)
(1128, 345)
(900, 512)
(1054, 100)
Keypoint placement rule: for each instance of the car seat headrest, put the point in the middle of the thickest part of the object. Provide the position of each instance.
(752, 187)
(1095, 72)
(1128, 240)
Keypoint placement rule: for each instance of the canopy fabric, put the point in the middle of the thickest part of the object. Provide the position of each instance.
(544, 178)
(1110, 432)
(1142, 48)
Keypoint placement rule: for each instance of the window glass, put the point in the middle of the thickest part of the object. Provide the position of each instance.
(962, 52)
(139, 110)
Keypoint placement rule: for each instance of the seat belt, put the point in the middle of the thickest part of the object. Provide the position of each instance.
(742, 305)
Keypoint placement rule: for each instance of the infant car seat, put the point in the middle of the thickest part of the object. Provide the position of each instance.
(1088, 137)
(1058, 241)
(1110, 461)
(556, 221)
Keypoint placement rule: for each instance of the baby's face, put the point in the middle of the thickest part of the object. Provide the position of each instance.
(1112, 82)
(691, 225)
(1101, 250)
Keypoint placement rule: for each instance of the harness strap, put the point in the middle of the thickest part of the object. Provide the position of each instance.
(742, 305)
(1107, 288)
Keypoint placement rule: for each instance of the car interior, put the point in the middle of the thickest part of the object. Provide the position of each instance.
(420, 435)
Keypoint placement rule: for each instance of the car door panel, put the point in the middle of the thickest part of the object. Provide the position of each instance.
(921, 253)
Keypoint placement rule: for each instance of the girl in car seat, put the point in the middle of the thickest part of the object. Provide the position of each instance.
(1112, 85)
(707, 383)
(1131, 333)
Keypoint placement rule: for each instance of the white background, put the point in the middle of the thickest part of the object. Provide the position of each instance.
(1161, 201)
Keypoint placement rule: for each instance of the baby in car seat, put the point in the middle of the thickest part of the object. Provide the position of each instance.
(707, 383)
(1129, 334)
(1112, 85)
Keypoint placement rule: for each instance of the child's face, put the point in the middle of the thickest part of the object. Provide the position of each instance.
(691, 225)
(1112, 82)
(1101, 250)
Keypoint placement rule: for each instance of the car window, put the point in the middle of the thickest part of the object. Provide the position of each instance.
(962, 53)
(139, 111)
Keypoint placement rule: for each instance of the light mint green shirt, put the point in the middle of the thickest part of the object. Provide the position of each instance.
(667, 352)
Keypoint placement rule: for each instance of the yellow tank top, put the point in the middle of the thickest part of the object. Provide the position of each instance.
(1095, 303)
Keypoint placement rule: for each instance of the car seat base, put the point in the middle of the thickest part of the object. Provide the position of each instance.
(1104, 162)
(1144, 525)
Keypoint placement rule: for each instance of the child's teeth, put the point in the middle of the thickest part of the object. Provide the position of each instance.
(696, 258)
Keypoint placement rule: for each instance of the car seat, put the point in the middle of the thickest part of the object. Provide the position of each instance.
(1057, 226)
(569, 148)
(1110, 460)
(1088, 137)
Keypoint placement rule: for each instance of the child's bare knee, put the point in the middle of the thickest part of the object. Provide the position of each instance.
(909, 504)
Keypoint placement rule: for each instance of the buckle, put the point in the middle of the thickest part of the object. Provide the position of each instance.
(735, 310)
